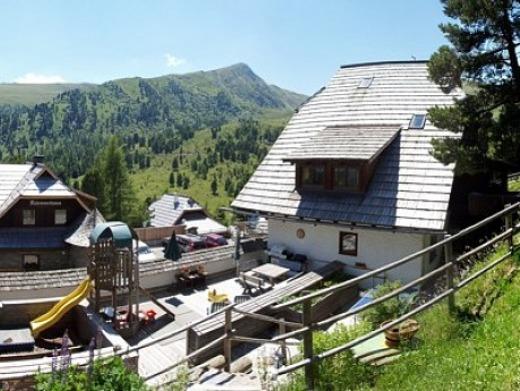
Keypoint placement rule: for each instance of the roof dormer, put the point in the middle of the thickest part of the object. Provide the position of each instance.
(341, 158)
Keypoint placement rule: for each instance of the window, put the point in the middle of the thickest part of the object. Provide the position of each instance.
(417, 122)
(31, 262)
(60, 216)
(346, 177)
(365, 82)
(313, 175)
(29, 217)
(348, 243)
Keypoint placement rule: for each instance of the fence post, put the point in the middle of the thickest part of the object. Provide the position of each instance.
(283, 345)
(307, 345)
(509, 224)
(448, 257)
(227, 340)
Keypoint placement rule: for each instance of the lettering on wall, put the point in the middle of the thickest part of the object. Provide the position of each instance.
(45, 203)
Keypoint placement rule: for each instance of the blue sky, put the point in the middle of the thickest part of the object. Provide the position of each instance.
(294, 44)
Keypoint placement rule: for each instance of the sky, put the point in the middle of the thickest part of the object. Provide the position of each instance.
(294, 44)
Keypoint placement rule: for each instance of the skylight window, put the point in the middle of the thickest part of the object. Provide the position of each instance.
(417, 121)
(365, 82)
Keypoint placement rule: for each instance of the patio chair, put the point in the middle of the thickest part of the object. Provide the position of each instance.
(215, 297)
(201, 271)
(214, 307)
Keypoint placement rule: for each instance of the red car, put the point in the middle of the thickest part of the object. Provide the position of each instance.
(215, 240)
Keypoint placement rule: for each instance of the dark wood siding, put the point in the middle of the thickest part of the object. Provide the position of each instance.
(44, 213)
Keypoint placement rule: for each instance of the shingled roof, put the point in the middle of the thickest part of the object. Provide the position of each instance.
(351, 142)
(172, 209)
(30, 180)
(410, 188)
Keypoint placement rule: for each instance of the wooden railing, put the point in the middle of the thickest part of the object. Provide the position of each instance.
(306, 329)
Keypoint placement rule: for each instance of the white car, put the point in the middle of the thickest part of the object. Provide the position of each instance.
(144, 252)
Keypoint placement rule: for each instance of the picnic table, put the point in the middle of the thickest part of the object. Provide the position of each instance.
(271, 271)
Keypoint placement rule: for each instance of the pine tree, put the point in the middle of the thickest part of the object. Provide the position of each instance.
(175, 164)
(186, 182)
(180, 180)
(214, 185)
(484, 56)
(117, 183)
(172, 179)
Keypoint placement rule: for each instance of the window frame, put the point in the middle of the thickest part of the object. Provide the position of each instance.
(31, 266)
(341, 250)
(346, 167)
(55, 216)
(314, 166)
(33, 211)
(422, 124)
(365, 82)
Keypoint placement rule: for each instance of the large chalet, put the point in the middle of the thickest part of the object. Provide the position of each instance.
(352, 177)
(44, 224)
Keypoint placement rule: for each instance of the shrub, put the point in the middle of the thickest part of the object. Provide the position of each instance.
(341, 372)
(105, 375)
(388, 310)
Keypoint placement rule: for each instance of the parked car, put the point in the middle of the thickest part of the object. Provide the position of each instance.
(144, 252)
(215, 240)
(190, 242)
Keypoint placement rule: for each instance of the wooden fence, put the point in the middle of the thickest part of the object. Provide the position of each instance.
(153, 235)
(307, 327)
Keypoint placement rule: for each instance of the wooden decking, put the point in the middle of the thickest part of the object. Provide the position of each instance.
(207, 331)
(272, 297)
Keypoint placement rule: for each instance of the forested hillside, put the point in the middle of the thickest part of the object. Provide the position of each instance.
(200, 134)
(214, 165)
(151, 116)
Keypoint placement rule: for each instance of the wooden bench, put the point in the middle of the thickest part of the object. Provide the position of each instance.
(250, 282)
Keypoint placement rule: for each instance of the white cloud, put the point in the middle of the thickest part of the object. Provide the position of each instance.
(36, 78)
(172, 61)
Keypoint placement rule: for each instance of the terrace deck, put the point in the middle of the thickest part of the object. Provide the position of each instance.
(205, 332)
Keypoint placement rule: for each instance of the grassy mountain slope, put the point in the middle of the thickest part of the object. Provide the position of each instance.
(151, 116)
(33, 94)
(230, 172)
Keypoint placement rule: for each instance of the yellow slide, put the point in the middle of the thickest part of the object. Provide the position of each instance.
(63, 306)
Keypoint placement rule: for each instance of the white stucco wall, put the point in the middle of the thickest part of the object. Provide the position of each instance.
(375, 247)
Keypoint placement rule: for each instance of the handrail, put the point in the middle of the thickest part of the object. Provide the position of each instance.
(399, 262)
(450, 262)
(508, 234)
(399, 320)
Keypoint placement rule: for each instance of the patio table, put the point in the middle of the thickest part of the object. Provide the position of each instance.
(270, 271)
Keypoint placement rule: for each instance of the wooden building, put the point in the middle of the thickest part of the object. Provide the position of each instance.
(44, 224)
(352, 178)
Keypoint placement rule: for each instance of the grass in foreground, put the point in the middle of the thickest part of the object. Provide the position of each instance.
(455, 352)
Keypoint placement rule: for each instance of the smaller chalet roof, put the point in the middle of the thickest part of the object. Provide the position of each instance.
(348, 142)
(83, 226)
(172, 210)
(33, 180)
(168, 210)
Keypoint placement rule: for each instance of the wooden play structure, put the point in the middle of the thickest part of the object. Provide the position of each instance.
(114, 269)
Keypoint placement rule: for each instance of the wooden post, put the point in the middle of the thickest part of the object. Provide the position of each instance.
(307, 345)
(448, 257)
(283, 345)
(227, 340)
(509, 224)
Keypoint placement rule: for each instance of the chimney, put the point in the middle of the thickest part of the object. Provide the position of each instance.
(38, 159)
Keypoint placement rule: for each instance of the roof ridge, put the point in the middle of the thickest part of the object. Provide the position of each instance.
(390, 62)
(19, 186)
